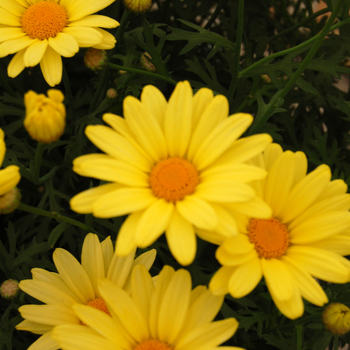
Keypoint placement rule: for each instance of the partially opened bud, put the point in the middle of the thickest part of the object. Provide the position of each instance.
(336, 318)
(9, 289)
(45, 116)
(138, 6)
(95, 59)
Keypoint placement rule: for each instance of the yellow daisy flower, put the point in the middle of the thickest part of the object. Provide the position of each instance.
(167, 316)
(307, 236)
(74, 283)
(9, 178)
(173, 165)
(41, 31)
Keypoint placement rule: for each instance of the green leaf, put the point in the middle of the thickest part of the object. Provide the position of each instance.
(56, 233)
(201, 36)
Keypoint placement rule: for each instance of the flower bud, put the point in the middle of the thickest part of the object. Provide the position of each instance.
(111, 93)
(336, 318)
(45, 116)
(146, 64)
(9, 289)
(95, 59)
(10, 201)
(138, 6)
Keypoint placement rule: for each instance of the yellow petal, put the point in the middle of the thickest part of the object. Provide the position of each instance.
(51, 66)
(16, 65)
(181, 239)
(12, 46)
(64, 44)
(34, 53)
(95, 21)
(9, 33)
(9, 178)
(84, 36)
(178, 119)
(81, 8)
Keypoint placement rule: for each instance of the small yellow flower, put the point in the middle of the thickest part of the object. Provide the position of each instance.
(40, 32)
(9, 178)
(45, 116)
(166, 316)
(95, 59)
(336, 318)
(138, 6)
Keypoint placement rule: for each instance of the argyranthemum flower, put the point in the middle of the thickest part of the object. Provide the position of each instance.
(41, 31)
(45, 116)
(174, 166)
(167, 316)
(74, 283)
(307, 236)
(9, 178)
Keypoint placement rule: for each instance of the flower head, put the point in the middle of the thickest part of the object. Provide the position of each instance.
(41, 31)
(9, 178)
(75, 283)
(167, 316)
(306, 236)
(174, 166)
(336, 318)
(9, 289)
(138, 6)
(45, 116)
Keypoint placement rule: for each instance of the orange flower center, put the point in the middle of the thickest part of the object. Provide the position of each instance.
(270, 237)
(99, 304)
(44, 20)
(173, 179)
(152, 344)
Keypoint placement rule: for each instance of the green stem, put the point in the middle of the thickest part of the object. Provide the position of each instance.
(299, 329)
(69, 95)
(293, 49)
(5, 84)
(142, 72)
(237, 53)
(55, 216)
(214, 15)
(37, 161)
(258, 123)
(336, 343)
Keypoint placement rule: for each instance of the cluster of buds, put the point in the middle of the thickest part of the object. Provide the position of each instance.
(336, 318)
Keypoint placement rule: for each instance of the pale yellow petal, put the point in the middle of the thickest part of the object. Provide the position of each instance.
(104, 167)
(13, 7)
(178, 119)
(16, 65)
(309, 288)
(107, 252)
(33, 327)
(334, 188)
(84, 36)
(78, 337)
(255, 208)
(224, 191)
(245, 278)
(73, 275)
(305, 192)
(154, 221)
(9, 19)
(300, 167)
(126, 236)
(64, 44)
(51, 66)
(13, 46)
(44, 342)
(155, 102)
(320, 227)
(52, 315)
(214, 114)
(227, 259)
(83, 202)
(320, 263)
(278, 278)
(174, 306)
(181, 239)
(145, 128)
(210, 236)
(95, 21)
(238, 244)
(279, 181)
(108, 40)
(117, 146)
(227, 226)
(92, 260)
(339, 244)
(201, 100)
(10, 33)
(126, 310)
(34, 53)
(220, 139)
(163, 281)
(101, 323)
(198, 212)
(81, 8)
(123, 201)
